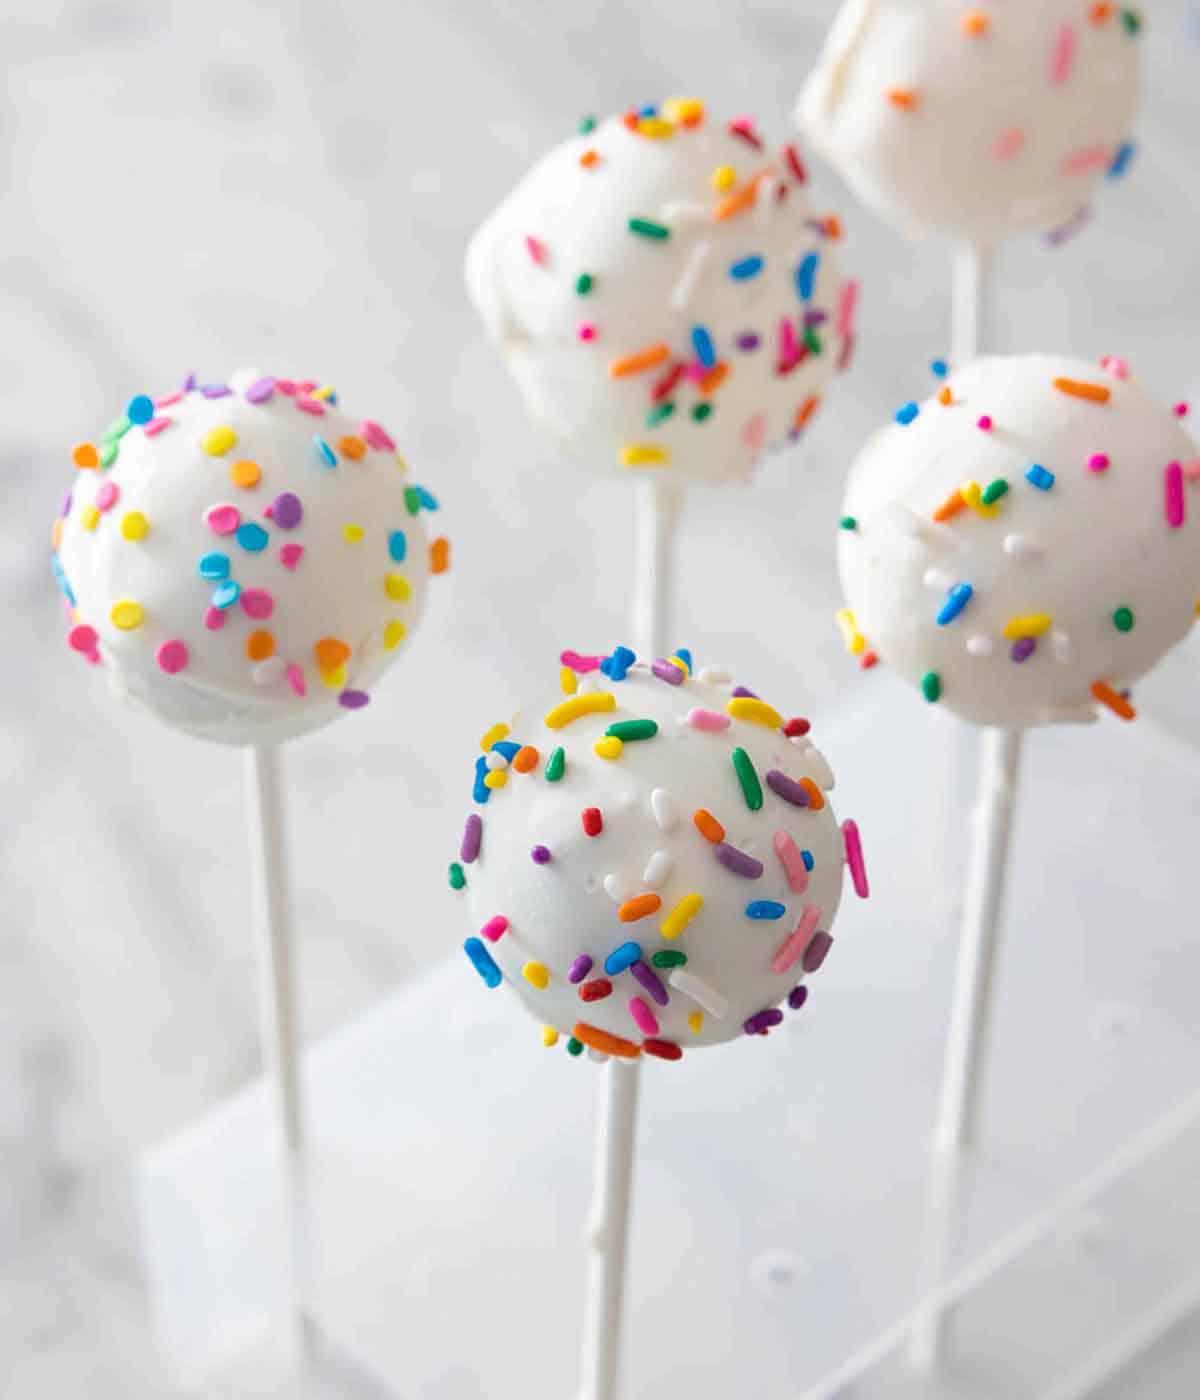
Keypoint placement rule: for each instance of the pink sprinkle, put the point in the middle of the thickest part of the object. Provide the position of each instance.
(290, 555)
(107, 495)
(646, 1019)
(496, 927)
(1173, 488)
(1008, 143)
(580, 664)
(754, 432)
(794, 944)
(1088, 158)
(1114, 365)
(985, 423)
(156, 426)
(305, 386)
(214, 619)
(82, 638)
(1192, 470)
(1062, 56)
(708, 720)
(257, 602)
(172, 657)
(587, 330)
(376, 436)
(286, 386)
(295, 678)
(852, 842)
(792, 862)
(537, 249)
(309, 405)
(846, 309)
(167, 400)
(1098, 462)
(1181, 410)
(223, 519)
(789, 350)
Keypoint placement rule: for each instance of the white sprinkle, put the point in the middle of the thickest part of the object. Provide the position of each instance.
(1060, 645)
(937, 580)
(681, 292)
(691, 986)
(617, 888)
(666, 814)
(981, 646)
(495, 760)
(819, 769)
(1022, 547)
(684, 211)
(658, 870)
(906, 521)
(269, 671)
(714, 675)
(587, 684)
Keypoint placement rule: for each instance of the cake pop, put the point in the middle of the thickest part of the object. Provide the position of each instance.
(975, 122)
(663, 294)
(1021, 544)
(654, 863)
(245, 559)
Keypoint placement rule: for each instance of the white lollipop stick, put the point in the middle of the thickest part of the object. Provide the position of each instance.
(658, 507)
(970, 307)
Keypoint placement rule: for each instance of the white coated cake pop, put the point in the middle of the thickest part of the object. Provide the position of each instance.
(654, 863)
(663, 295)
(244, 559)
(1023, 545)
(975, 122)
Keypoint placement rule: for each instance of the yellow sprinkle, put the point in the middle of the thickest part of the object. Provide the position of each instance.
(855, 642)
(971, 493)
(126, 614)
(334, 678)
(217, 441)
(756, 711)
(682, 915)
(683, 111)
(549, 1036)
(1033, 625)
(537, 975)
(568, 680)
(496, 778)
(324, 392)
(655, 128)
(608, 747)
(134, 525)
(695, 1021)
(724, 177)
(493, 736)
(679, 662)
(352, 533)
(89, 517)
(393, 634)
(644, 454)
(397, 586)
(593, 703)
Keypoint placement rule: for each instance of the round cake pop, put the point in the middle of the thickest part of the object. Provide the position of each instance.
(654, 863)
(663, 295)
(975, 122)
(244, 559)
(1021, 545)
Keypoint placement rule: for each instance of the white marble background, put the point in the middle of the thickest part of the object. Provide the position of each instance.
(292, 182)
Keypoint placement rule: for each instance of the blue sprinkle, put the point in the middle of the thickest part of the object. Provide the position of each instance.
(327, 455)
(1120, 162)
(428, 501)
(623, 957)
(807, 858)
(252, 537)
(214, 566)
(765, 909)
(905, 415)
(140, 410)
(648, 111)
(957, 599)
(226, 594)
(940, 368)
(397, 546)
(482, 792)
(745, 268)
(1039, 477)
(483, 962)
(685, 655)
(806, 275)
(507, 748)
(703, 344)
(60, 577)
(616, 666)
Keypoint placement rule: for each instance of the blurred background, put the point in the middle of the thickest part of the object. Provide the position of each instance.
(291, 183)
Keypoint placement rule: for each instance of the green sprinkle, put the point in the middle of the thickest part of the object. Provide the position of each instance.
(1123, 619)
(649, 229)
(412, 500)
(659, 413)
(109, 451)
(555, 765)
(457, 879)
(574, 1047)
(993, 491)
(668, 957)
(1132, 21)
(586, 124)
(931, 686)
(701, 411)
(628, 729)
(584, 283)
(848, 522)
(751, 787)
(813, 340)
(117, 429)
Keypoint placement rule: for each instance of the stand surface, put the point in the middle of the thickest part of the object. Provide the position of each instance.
(780, 1189)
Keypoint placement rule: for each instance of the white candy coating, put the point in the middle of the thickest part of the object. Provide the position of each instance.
(974, 122)
(650, 845)
(352, 569)
(1119, 529)
(567, 219)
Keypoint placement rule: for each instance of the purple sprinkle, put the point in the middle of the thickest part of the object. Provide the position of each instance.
(762, 1021)
(580, 968)
(286, 510)
(787, 788)
(815, 318)
(817, 951)
(353, 699)
(797, 997)
(66, 505)
(650, 982)
(189, 383)
(472, 838)
(738, 861)
(748, 340)
(261, 390)
(1023, 648)
(216, 391)
(668, 671)
(541, 855)
(740, 691)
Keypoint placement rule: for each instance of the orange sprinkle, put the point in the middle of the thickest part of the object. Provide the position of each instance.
(816, 798)
(832, 227)
(639, 360)
(439, 555)
(640, 907)
(950, 507)
(907, 99)
(245, 474)
(708, 826)
(631, 119)
(868, 659)
(1100, 13)
(944, 395)
(1102, 691)
(1080, 389)
(56, 533)
(352, 447)
(85, 455)
(525, 759)
(260, 645)
(806, 411)
(713, 380)
(330, 653)
(974, 23)
(742, 198)
(589, 158)
(608, 1044)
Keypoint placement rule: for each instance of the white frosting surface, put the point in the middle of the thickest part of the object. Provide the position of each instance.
(730, 277)
(139, 544)
(649, 845)
(975, 122)
(1100, 569)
